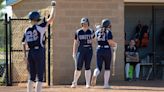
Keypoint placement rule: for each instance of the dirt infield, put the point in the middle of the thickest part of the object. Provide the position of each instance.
(139, 86)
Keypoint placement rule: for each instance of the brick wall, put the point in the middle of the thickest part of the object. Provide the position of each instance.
(69, 13)
(22, 8)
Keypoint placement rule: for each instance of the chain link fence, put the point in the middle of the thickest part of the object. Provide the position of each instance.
(19, 66)
(11, 45)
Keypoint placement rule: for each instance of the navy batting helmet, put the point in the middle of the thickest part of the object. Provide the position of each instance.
(84, 20)
(34, 15)
(105, 23)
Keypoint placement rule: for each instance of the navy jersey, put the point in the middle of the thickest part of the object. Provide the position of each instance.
(35, 35)
(103, 37)
(131, 51)
(84, 37)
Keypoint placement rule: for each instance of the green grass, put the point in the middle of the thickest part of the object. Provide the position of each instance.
(2, 49)
(2, 81)
(2, 56)
(2, 59)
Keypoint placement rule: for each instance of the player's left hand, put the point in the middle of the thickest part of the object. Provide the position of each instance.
(53, 3)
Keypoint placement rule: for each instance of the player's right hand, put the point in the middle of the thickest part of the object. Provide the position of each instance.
(73, 55)
(114, 46)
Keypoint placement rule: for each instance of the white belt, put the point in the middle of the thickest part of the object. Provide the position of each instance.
(35, 47)
(105, 46)
(86, 45)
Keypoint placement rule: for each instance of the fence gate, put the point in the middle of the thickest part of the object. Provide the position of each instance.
(17, 67)
(19, 71)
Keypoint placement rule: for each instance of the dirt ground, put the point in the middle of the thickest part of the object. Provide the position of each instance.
(122, 86)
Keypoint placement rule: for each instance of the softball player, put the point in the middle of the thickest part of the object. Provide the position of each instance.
(34, 37)
(83, 39)
(103, 54)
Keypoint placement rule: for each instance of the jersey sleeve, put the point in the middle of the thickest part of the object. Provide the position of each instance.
(43, 23)
(93, 34)
(24, 37)
(96, 34)
(110, 36)
(41, 27)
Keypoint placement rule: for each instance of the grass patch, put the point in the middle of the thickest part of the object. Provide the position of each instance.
(2, 60)
(2, 49)
(2, 81)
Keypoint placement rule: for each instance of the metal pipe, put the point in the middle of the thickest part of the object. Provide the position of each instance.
(6, 34)
(49, 60)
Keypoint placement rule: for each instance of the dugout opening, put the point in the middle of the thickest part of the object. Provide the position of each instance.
(151, 56)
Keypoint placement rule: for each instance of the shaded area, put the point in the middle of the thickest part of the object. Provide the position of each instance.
(117, 86)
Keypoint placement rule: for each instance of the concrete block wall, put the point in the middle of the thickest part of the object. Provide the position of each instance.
(68, 15)
(22, 8)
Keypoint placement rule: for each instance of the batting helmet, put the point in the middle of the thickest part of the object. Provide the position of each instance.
(105, 23)
(84, 20)
(34, 15)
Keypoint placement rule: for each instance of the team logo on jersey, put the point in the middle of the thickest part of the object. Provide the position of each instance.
(88, 38)
(85, 37)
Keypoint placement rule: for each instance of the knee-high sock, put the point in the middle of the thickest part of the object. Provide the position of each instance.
(29, 86)
(87, 76)
(76, 76)
(96, 72)
(38, 87)
(137, 70)
(127, 66)
(106, 77)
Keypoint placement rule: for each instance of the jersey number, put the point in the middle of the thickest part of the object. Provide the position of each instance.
(31, 36)
(101, 37)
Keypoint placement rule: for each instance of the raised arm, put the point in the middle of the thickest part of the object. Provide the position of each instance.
(52, 14)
